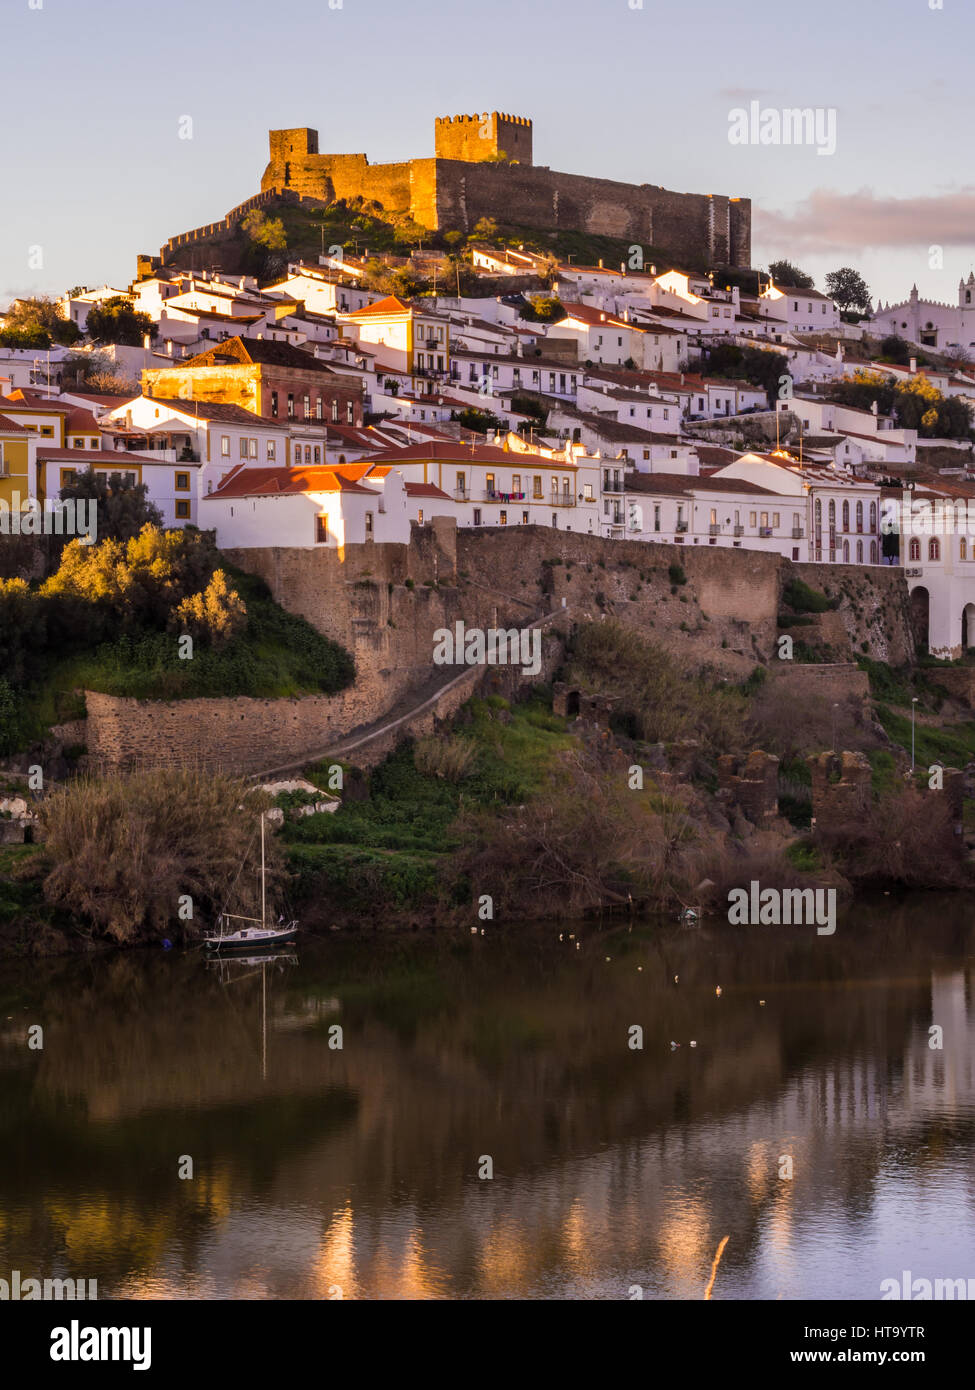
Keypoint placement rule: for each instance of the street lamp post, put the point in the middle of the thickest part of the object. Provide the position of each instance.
(913, 708)
(835, 708)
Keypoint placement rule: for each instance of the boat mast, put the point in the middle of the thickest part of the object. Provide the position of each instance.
(263, 909)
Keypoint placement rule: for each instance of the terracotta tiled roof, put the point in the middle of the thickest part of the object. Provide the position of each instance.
(276, 482)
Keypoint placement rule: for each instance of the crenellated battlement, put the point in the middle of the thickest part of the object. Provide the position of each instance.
(490, 136)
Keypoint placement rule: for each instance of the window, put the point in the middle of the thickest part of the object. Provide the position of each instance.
(873, 516)
(297, 453)
(419, 516)
(859, 552)
(318, 454)
(859, 516)
(318, 408)
(77, 444)
(349, 413)
(524, 518)
(306, 406)
(321, 528)
(963, 549)
(252, 448)
(656, 517)
(68, 475)
(934, 550)
(274, 405)
(504, 517)
(846, 516)
(489, 483)
(587, 492)
(914, 549)
(182, 482)
(308, 453)
(516, 482)
(271, 450)
(752, 518)
(873, 552)
(536, 486)
(183, 510)
(243, 447)
(291, 406)
(335, 412)
(368, 526)
(477, 516)
(225, 445)
(775, 518)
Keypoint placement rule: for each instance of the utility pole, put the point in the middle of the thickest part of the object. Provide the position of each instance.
(913, 708)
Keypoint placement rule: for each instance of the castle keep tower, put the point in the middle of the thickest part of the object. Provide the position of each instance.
(477, 138)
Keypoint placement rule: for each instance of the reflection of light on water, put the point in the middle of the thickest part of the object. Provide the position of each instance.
(503, 1259)
(335, 1262)
(685, 1242)
(406, 1274)
(759, 1163)
(576, 1236)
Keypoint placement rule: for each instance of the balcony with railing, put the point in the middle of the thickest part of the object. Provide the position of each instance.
(493, 495)
(562, 499)
(765, 531)
(714, 529)
(462, 494)
(738, 530)
(681, 526)
(798, 532)
(611, 484)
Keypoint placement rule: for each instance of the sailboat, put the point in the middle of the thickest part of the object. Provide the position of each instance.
(257, 934)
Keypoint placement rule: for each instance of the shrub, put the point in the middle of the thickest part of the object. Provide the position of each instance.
(803, 599)
(450, 758)
(125, 849)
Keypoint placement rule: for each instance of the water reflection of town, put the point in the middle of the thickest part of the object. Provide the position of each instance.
(319, 1169)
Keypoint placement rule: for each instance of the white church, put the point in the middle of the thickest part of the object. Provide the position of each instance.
(928, 323)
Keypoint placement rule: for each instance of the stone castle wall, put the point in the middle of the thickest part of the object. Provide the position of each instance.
(385, 602)
(457, 187)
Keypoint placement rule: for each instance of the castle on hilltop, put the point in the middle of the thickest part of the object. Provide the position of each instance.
(482, 167)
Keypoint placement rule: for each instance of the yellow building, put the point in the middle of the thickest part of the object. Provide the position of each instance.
(18, 463)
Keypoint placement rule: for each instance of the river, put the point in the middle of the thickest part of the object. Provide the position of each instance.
(323, 1125)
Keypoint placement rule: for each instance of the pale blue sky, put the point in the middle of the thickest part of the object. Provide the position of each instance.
(94, 172)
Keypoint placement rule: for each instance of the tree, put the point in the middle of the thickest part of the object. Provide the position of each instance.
(789, 276)
(41, 318)
(123, 506)
(116, 321)
(214, 615)
(485, 229)
(895, 349)
(849, 289)
(265, 231)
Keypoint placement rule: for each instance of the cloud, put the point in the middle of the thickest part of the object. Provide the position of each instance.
(829, 221)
